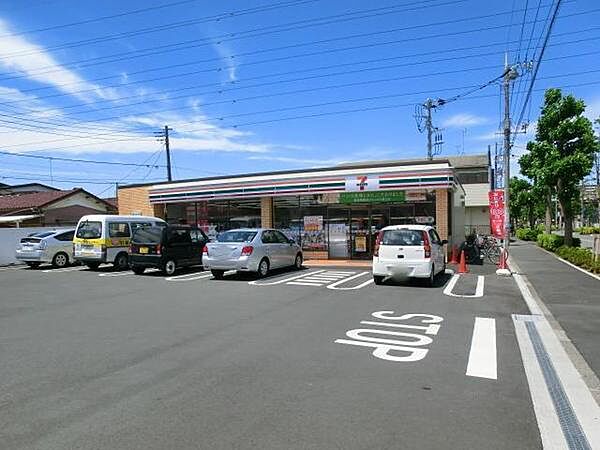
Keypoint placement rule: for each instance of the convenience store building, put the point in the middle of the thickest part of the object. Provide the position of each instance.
(333, 212)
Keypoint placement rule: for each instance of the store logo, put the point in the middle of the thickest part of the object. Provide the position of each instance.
(362, 183)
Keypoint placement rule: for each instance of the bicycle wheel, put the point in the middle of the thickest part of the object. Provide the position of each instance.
(493, 254)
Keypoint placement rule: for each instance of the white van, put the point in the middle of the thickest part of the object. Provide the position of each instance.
(414, 251)
(101, 238)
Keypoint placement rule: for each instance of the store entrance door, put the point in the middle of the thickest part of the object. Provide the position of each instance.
(360, 234)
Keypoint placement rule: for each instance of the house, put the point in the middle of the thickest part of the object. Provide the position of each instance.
(473, 173)
(52, 207)
(26, 188)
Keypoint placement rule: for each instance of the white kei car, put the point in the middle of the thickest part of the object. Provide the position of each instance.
(408, 251)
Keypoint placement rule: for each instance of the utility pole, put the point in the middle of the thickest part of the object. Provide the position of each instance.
(424, 120)
(510, 74)
(164, 134)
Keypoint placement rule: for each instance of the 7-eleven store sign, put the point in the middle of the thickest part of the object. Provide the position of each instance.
(361, 183)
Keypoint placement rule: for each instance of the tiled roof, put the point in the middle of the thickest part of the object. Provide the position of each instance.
(33, 200)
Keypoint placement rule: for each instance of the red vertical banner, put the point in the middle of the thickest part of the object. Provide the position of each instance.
(497, 213)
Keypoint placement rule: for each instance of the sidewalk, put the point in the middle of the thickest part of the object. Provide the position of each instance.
(572, 297)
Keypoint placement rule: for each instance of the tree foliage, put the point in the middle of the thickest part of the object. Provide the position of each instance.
(562, 153)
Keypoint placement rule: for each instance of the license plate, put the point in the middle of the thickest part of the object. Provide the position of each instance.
(143, 249)
(87, 247)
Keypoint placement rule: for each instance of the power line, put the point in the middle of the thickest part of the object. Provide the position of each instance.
(287, 47)
(538, 63)
(98, 19)
(77, 160)
(61, 180)
(255, 32)
(270, 60)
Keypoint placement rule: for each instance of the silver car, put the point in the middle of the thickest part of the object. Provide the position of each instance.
(251, 250)
(55, 247)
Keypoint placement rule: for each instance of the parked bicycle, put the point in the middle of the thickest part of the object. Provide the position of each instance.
(489, 247)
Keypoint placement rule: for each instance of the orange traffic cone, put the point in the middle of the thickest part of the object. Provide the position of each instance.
(454, 258)
(463, 268)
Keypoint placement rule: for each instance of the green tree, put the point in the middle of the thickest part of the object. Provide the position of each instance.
(562, 153)
(525, 202)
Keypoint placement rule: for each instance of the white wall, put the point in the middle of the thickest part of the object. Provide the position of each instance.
(10, 237)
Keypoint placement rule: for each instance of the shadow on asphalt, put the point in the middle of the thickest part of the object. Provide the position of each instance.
(251, 276)
(439, 282)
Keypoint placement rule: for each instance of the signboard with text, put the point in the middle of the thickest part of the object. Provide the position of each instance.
(348, 198)
(362, 183)
(497, 213)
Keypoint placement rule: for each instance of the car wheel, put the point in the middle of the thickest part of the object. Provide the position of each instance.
(33, 264)
(431, 279)
(121, 261)
(169, 267)
(298, 262)
(218, 274)
(378, 279)
(138, 270)
(60, 260)
(263, 268)
(93, 265)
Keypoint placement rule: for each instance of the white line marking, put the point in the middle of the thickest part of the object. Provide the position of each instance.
(115, 274)
(547, 420)
(66, 269)
(572, 265)
(194, 276)
(482, 357)
(300, 283)
(526, 293)
(285, 280)
(359, 286)
(2, 269)
(454, 280)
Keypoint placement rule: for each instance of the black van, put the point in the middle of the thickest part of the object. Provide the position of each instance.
(166, 248)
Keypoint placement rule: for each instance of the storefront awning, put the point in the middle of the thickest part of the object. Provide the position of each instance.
(363, 179)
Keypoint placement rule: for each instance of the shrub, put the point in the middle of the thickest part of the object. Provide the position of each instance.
(581, 257)
(553, 241)
(528, 234)
(589, 230)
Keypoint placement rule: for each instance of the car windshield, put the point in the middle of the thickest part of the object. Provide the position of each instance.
(236, 236)
(402, 237)
(89, 230)
(147, 235)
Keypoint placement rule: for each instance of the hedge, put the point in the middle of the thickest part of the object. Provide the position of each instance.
(581, 257)
(528, 234)
(589, 230)
(553, 241)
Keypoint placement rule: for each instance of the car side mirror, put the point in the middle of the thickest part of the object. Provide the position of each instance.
(444, 241)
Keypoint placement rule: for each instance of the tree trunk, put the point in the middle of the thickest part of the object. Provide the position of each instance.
(567, 214)
(548, 222)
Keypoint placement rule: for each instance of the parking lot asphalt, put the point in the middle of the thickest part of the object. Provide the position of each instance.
(110, 360)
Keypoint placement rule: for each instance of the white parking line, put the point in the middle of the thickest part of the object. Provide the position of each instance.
(302, 283)
(66, 269)
(2, 269)
(115, 274)
(337, 283)
(285, 280)
(482, 357)
(454, 280)
(195, 276)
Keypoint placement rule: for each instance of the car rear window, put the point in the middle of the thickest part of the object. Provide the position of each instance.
(147, 235)
(402, 237)
(89, 230)
(236, 236)
(43, 234)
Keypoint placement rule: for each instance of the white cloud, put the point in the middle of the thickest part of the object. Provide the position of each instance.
(463, 120)
(225, 53)
(31, 60)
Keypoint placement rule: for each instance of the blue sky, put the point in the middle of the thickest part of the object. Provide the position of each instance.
(231, 79)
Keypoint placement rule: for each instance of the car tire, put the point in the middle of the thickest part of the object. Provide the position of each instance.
(378, 279)
(121, 261)
(298, 262)
(33, 264)
(60, 260)
(218, 274)
(263, 268)
(138, 270)
(431, 279)
(169, 267)
(93, 265)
